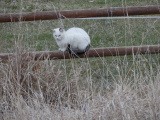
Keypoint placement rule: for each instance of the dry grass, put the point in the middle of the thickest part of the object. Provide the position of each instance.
(43, 90)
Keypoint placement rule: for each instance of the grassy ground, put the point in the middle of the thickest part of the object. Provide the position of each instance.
(125, 87)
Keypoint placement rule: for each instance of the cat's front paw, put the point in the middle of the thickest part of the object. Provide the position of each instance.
(59, 49)
(62, 49)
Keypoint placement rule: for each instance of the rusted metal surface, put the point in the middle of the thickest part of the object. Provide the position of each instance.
(100, 52)
(104, 12)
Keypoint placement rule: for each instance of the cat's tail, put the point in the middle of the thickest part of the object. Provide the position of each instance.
(77, 52)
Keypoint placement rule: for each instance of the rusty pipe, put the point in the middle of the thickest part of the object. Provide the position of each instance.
(84, 13)
(99, 52)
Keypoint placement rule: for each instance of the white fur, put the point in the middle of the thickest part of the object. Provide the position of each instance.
(76, 37)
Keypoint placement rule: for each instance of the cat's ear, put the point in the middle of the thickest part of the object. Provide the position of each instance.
(61, 29)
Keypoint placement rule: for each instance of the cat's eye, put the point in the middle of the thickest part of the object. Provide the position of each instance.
(57, 35)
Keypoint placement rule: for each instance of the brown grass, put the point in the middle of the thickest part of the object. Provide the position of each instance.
(41, 90)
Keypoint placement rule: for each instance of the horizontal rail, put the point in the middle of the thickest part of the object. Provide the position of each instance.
(125, 17)
(99, 52)
(85, 13)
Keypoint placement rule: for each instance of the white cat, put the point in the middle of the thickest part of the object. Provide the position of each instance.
(75, 40)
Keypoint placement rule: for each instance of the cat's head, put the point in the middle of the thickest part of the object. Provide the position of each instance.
(58, 34)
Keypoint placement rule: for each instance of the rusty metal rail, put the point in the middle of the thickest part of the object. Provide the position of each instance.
(100, 52)
(104, 12)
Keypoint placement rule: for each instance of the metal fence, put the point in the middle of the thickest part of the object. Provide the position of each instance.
(88, 13)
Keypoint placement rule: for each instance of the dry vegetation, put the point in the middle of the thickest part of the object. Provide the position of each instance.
(112, 88)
